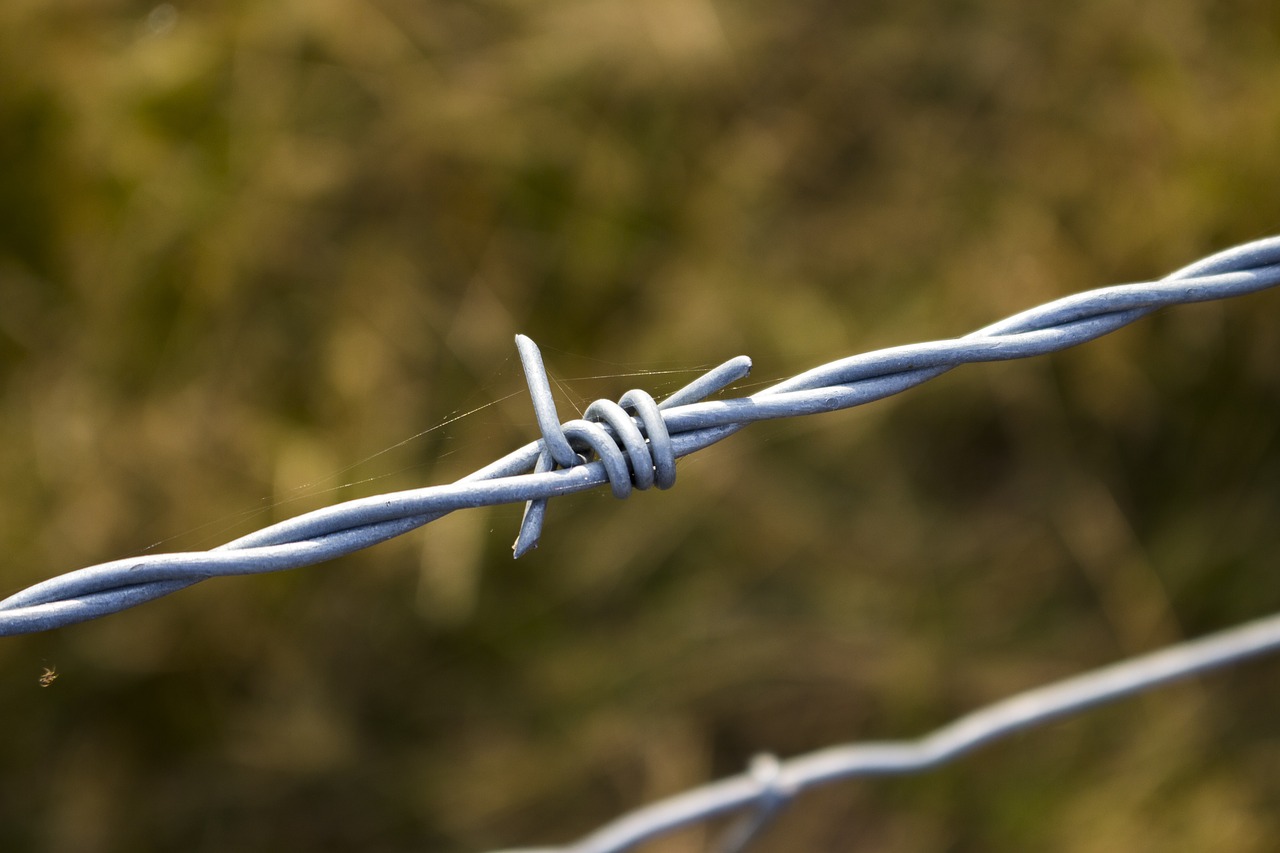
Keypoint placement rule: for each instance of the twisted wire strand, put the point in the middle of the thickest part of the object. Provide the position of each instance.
(554, 466)
(767, 792)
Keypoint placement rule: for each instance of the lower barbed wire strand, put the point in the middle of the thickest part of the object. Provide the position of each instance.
(689, 423)
(987, 724)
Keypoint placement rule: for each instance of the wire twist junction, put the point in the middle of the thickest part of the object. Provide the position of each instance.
(642, 455)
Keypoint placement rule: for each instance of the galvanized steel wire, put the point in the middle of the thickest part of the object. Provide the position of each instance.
(633, 443)
(770, 783)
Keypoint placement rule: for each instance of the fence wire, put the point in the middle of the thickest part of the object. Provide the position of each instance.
(770, 784)
(634, 443)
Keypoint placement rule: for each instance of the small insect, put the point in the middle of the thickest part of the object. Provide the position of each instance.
(49, 675)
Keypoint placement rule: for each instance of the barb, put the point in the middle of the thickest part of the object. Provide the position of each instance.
(605, 451)
(760, 790)
(773, 791)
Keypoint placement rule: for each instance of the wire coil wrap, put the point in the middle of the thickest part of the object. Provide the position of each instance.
(640, 454)
(633, 454)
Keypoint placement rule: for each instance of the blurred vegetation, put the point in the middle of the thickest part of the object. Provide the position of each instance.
(246, 247)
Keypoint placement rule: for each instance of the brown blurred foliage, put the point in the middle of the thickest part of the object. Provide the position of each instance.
(244, 247)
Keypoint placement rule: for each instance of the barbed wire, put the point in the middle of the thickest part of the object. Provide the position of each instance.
(770, 784)
(632, 443)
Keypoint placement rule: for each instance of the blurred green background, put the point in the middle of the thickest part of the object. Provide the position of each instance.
(247, 247)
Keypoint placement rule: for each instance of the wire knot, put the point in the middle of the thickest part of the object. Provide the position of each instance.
(629, 437)
(774, 791)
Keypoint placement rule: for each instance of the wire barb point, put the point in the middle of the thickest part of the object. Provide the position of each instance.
(629, 438)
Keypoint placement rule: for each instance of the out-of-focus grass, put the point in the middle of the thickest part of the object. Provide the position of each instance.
(245, 246)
